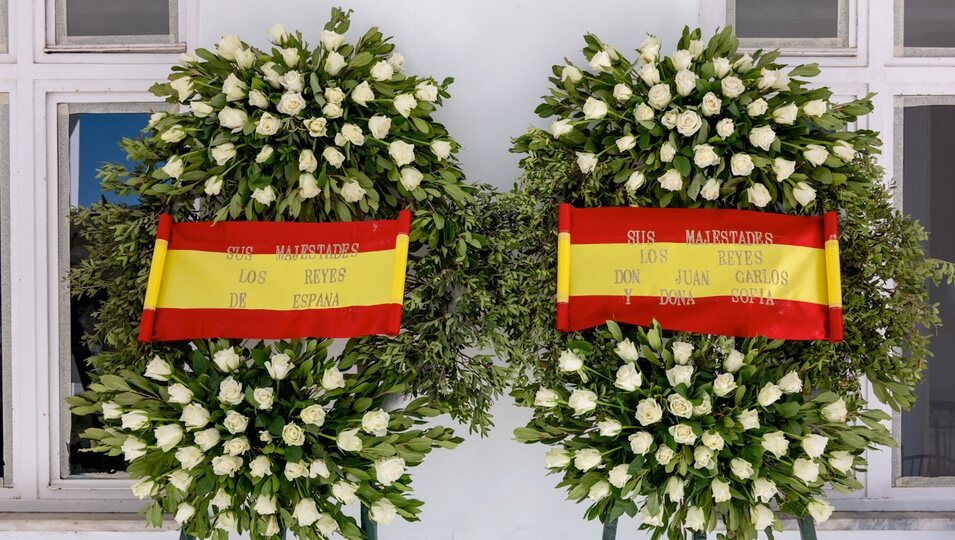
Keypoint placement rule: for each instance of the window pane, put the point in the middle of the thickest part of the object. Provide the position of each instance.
(117, 17)
(787, 19)
(928, 429)
(929, 23)
(93, 140)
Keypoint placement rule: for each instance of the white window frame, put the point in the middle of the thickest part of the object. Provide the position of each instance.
(837, 45)
(914, 52)
(59, 41)
(6, 371)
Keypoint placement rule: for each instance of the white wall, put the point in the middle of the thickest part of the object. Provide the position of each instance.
(499, 53)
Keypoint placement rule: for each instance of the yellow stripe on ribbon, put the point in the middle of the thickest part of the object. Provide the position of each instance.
(833, 274)
(400, 269)
(156, 267)
(784, 272)
(563, 267)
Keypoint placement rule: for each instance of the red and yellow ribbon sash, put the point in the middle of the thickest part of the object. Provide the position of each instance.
(709, 271)
(275, 280)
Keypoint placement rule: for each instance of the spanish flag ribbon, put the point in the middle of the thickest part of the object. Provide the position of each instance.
(710, 271)
(275, 280)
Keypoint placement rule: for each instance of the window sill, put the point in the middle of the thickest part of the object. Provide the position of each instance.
(883, 521)
(79, 522)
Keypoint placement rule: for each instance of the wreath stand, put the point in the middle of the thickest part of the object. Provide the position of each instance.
(807, 530)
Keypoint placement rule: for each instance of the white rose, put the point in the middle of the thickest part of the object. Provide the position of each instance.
(757, 108)
(173, 134)
(815, 154)
(734, 361)
(769, 394)
(334, 63)
(844, 151)
(741, 164)
(221, 500)
(244, 58)
(744, 63)
(814, 445)
(426, 91)
(569, 361)
(679, 375)
(725, 128)
(291, 104)
(278, 366)
(411, 178)
(586, 161)
(682, 59)
(696, 48)
(625, 143)
(762, 517)
(441, 149)
(223, 153)
(313, 414)
(158, 369)
(582, 401)
(652, 520)
(732, 87)
(685, 82)
(260, 467)
(305, 512)
(762, 137)
(362, 94)
(559, 128)
(389, 470)
(376, 423)
(758, 195)
(804, 193)
(659, 96)
(815, 108)
(379, 126)
(682, 434)
(225, 521)
(783, 168)
(333, 157)
(635, 180)
(190, 456)
(674, 489)
(278, 32)
(835, 411)
(183, 87)
(764, 489)
(345, 492)
(841, 461)
(627, 351)
(594, 109)
(332, 40)
(235, 423)
(144, 487)
(382, 71)
(721, 491)
(264, 398)
(682, 351)
(556, 458)
(135, 420)
(264, 505)
(178, 393)
(174, 167)
(622, 93)
(679, 406)
(207, 438)
(226, 465)
(688, 123)
(318, 468)
(133, 449)
(704, 156)
(671, 180)
(264, 154)
(786, 115)
(227, 46)
(293, 435)
(650, 74)
(194, 416)
(290, 56)
(168, 436)
(401, 152)
(643, 113)
(619, 476)
(230, 391)
(820, 510)
(404, 104)
(640, 442)
(383, 512)
(572, 74)
(307, 161)
(703, 458)
(790, 383)
(695, 519)
(664, 455)
(721, 66)
(180, 479)
(587, 459)
(712, 440)
(711, 104)
(353, 192)
(201, 109)
(349, 441)
(155, 118)
(601, 61)
(397, 61)
(667, 152)
(776, 443)
(724, 384)
(213, 186)
(308, 186)
(545, 397)
(669, 119)
(609, 428)
(268, 125)
(705, 407)
(806, 470)
(293, 81)
(710, 190)
(749, 419)
(649, 49)
(234, 88)
(741, 468)
(648, 412)
(332, 379)
(767, 78)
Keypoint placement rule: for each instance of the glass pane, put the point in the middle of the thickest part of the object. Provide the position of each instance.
(928, 429)
(117, 17)
(929, 23)
(787, 19)
(94, 140)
